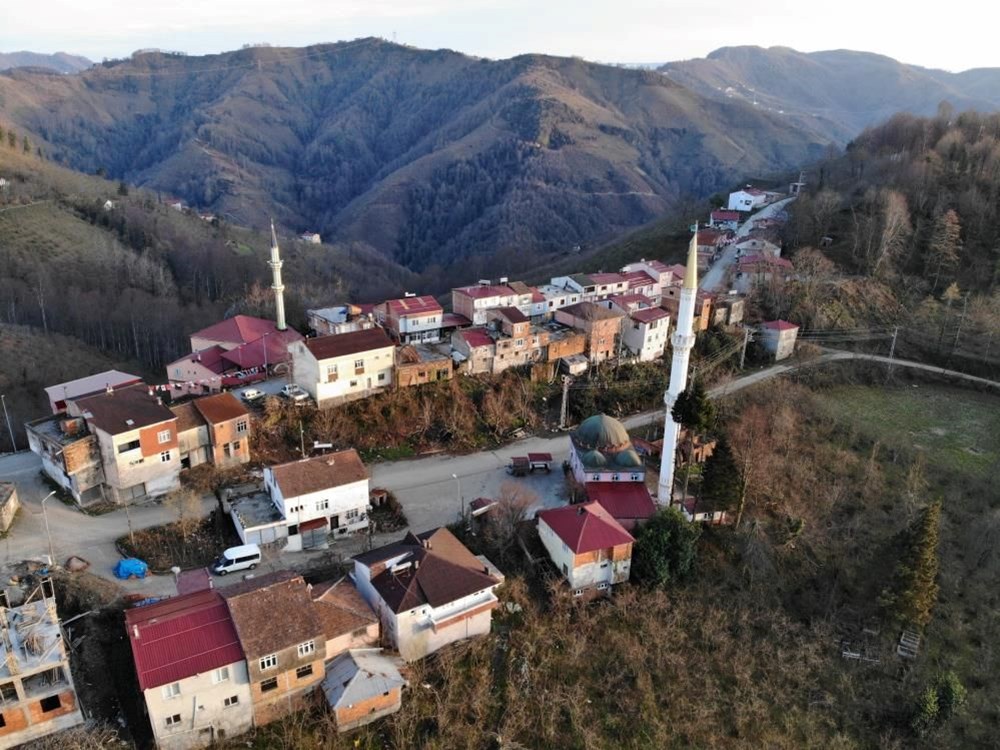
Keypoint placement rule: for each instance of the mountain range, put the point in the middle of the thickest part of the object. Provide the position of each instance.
(60, 62)
(435, 158)
(837, 93)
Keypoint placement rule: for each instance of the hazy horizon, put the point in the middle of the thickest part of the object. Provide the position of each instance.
(644, 31)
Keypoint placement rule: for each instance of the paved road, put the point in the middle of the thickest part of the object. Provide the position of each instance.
(425, 487)
(716, 274)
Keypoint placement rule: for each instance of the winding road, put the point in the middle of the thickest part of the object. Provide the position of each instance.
(431, 489)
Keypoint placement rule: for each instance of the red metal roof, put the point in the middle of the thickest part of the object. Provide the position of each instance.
(623, 500)
(408, 306)
(485, 290)
(780, 325)
(239, 329)
(476, 337)
(454, 320)
(537, 457)
(252, 354)
(649, 314)
(639, 278)
(181, 637)
(210, 359)
(724, 215)
(627, 300)
(607, 278)
(585, 527)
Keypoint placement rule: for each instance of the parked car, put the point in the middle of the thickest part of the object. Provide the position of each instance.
(244, 557)
(250, 395)
(294, 393)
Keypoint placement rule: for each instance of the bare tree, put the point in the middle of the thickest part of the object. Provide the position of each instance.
(512, 507)
(186, 506)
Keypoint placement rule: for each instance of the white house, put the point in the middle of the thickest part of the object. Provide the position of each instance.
(412, 319)
(319, 496)
(778, 337)
(644, 333)
(191, 669)
(312, 238)
(344, 366)
(746, 199)
(588, 546)
(757, 246)
(428, 590)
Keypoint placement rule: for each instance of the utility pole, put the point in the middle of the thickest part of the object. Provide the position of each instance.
(961, 320)
(564, 406)
(746, 340)
(892, 351)
(302, 439)
(13, 445)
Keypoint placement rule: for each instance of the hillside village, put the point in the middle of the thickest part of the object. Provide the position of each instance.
(114, 440)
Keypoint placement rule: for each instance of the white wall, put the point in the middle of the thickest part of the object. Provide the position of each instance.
(201, 706)
(311, 374)
(647, 340)
(582, 575)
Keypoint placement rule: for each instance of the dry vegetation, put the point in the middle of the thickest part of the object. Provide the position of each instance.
(748, 654)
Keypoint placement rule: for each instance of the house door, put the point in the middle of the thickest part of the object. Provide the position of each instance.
(369, 384)
(334, 522)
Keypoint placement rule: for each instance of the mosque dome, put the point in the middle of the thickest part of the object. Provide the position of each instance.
(602, 433)
(628, 459)
(594, 460)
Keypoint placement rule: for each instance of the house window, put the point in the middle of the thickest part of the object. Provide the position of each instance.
(131, 445)
(49, 704)
(220, 675)
(269, 684)
(268, 662)
(3, 721)
(359, 364)
(242, 425)
(173, 721)
(354, 384)
(171, 691)
(323, 504)
(331, 373)
(303, 672)
(381, 376)
(578, 592)
(352, 515)
(232, 700)
(227, 450)
(307, 648)
(163, 436)
(165, 457)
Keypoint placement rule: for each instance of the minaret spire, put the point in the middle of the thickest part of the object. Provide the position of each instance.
(277, 286)
(682, 341)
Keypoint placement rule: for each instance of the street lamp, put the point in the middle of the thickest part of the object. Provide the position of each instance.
(48, 534)
(3, 400)
(458, 496)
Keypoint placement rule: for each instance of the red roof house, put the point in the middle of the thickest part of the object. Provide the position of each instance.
(587, 545)
(629, 503)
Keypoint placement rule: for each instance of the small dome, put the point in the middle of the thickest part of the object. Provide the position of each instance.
(593, 460)
(603, 433)
(628, 459)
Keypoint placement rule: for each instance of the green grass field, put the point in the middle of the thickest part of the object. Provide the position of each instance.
(958, 429)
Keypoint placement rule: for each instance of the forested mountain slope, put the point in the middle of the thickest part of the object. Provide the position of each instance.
(428, 156)
(836, 92)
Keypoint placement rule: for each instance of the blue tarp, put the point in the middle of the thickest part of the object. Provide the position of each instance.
(129, 567)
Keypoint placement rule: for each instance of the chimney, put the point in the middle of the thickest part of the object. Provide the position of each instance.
(135, 632)
(277, 286)
(159, 401)
(416, 564)
(108, 389)
(580, 511)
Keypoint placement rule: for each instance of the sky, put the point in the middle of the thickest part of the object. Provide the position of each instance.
(628, 31)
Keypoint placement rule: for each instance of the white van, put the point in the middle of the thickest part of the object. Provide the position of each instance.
(244, 557)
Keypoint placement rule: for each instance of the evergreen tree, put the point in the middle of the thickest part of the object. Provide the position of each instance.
(951, 694)
(25, 145)
(122, 188)
(721, 479)
(12, 139)
(696, 414)
(665, 548)
(916, 587)
(945, 245)
(926, 712)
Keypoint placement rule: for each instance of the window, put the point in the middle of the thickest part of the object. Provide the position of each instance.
(293, 529)
(323, 504)
(519, 342)
(307, 648)
(381, 376)
(331, 373)
(165, 457)
(354, 384)
(131, 445)
(227, 450)
(268, 662)
(303, 672)
(163, 436)
(359, 364)
(171, 691)
(49, 704)
(220, 675)
(232, 700)
(173, 721)
(241, 426)
(269, 684)
(3, 721)
(352, 515)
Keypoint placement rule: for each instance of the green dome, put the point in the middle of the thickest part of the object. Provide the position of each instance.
(628, 459)
(593, 460)
(603, 433)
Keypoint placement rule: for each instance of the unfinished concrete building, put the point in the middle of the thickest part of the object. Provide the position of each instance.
(36, 689)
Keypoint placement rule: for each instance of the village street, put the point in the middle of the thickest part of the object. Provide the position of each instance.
(425, 486)
(716, 274)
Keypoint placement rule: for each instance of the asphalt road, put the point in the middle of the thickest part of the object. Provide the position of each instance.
(425, 486)
(715, 275)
